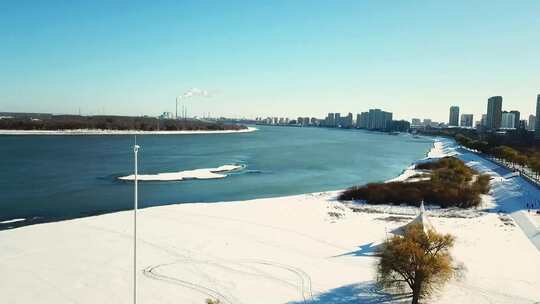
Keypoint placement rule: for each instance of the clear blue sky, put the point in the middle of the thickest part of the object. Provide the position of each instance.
(286, 58)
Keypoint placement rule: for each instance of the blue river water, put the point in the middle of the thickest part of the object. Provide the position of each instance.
(50, 178)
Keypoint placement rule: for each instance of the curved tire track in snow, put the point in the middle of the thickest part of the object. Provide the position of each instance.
(304, 286)
(151, 272)
(305, 279)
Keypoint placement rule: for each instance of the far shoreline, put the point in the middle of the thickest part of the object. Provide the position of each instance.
(84, 132)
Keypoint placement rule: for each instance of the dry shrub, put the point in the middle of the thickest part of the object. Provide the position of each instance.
(450, 185)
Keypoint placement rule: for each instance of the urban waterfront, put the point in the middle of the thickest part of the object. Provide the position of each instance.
(46, 178)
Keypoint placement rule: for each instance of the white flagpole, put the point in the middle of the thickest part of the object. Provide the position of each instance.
(135, 205)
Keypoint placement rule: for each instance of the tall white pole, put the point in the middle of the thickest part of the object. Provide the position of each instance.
(135, 205)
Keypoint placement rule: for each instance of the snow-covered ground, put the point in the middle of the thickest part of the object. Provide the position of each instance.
(118, 132)
(299, 249)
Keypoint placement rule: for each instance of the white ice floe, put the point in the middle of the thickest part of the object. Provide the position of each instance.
(207, 173)
(119, 132)
(13, 221)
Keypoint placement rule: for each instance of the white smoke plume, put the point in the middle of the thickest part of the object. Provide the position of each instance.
(192, 92)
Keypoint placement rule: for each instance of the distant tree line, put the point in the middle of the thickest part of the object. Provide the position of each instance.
(73, 122)
(518, 139)
(448, 182)
(524, 157)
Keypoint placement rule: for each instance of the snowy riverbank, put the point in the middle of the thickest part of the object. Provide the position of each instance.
(119, 132)
(299, 249)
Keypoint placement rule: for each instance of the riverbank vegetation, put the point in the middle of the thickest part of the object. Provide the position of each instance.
(447, 182)
(75, 122)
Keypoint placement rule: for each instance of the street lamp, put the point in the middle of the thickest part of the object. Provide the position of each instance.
(135, 205)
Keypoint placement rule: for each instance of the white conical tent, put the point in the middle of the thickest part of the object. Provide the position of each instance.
(421, 219)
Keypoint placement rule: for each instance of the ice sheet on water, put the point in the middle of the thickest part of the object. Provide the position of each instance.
(206, 173)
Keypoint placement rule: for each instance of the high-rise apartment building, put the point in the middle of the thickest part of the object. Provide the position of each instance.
(517, 118)
(454, 116)
(483, 120)
(532, 122)
(466, 120)
(387, 119)
(378, 119)
(494, 112)
(337, 119)
(362, 120)
(347, 121)
(330, 120)
(537, 122)
(507, 120)
(416, 122)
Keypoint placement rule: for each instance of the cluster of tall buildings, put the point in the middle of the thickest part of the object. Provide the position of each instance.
(272, 120)
(283, 121)
(306, 121)
(426, 122)
(335, 120)
(497, 119)
(374, 119)
(464, 121)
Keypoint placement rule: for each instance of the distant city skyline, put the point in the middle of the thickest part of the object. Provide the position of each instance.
(287, 59)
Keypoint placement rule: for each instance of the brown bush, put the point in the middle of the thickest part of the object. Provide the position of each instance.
(449, 186)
